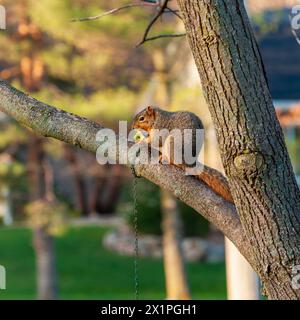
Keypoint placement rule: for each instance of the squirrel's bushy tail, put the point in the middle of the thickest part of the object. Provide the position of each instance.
(216, 181)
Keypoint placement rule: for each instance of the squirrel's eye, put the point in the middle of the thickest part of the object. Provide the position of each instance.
(141, 118)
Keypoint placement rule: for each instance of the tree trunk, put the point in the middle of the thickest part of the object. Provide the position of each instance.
(79, 183)
(105, 190)
(176, 282)
(251, 142)
(32, 72)
(97, 186)
(45, 264)
(242, 281)
(42, 241)
(107, 202)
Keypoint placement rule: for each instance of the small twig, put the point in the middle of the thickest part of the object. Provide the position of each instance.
(152, 22)
(175, 35)
(115, 10)
(175, 12)
(163, 7)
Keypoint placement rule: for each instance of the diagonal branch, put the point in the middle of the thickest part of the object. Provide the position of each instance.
(175, 12)
(52, 122)
(163, 9)
(152, 22)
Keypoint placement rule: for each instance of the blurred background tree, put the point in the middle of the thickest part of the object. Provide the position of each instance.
(49, 57)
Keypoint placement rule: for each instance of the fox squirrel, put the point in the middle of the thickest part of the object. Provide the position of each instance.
(155, 118)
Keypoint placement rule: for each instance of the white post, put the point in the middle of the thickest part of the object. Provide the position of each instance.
(242, 282)
(2, 18)
(2, 278)
(7, 208)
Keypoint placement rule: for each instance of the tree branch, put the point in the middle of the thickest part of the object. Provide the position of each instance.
(52, 122)
(175, 12)
(175, 35)
(115, 10)
(152, 22)
(163, 7)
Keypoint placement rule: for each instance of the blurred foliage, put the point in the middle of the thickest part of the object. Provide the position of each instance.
(193, 222)
(110, 104)
(11, 133)
(11, 171)
(90, 68)
(49, 215)
(149, 211)
(148, 203)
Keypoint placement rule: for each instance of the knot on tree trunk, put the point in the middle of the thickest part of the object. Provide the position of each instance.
(210, 39)
(248, 164)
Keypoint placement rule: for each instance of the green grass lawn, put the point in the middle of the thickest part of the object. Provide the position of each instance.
(88, 271)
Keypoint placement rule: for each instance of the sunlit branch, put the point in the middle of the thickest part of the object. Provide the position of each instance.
(152, 22)
(115, 10)
(56, 123)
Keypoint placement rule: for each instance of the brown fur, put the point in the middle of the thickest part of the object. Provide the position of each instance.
(156, 118)
(217, 182)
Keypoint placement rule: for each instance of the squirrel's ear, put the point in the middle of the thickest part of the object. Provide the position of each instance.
(149, 110)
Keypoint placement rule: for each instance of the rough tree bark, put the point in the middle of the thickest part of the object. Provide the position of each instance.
(251, 142)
